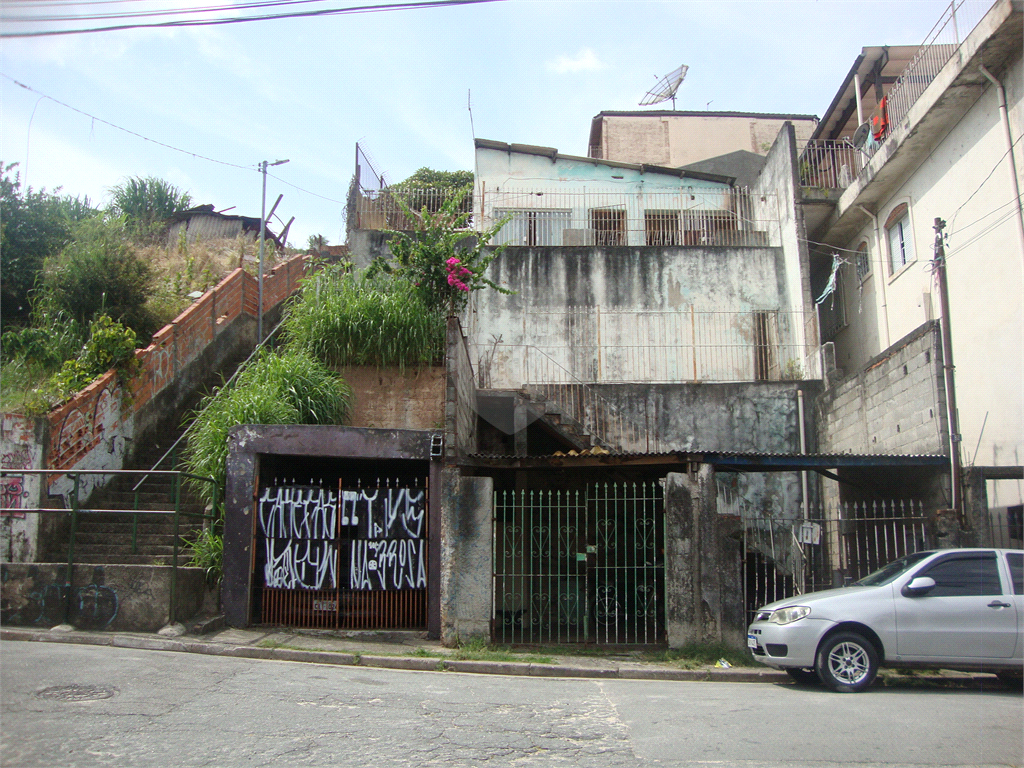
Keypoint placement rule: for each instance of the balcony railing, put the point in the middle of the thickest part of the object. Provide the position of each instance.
(690, 216)
(829, 164)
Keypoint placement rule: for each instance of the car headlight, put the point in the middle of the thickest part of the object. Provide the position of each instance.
(789, 615)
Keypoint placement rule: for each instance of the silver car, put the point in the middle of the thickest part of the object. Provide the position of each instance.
(954, 608)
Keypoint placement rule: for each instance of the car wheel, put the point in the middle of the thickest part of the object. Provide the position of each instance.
(803, 676)
(846, 663)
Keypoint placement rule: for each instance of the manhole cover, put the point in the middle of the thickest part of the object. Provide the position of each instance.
(77, 692)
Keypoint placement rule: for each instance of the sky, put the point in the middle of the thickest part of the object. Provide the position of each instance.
(399, 83)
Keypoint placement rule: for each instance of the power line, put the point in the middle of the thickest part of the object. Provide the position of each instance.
(166, 12)
(984, 181)
(125, 130)
(266, 17)
(300, 189)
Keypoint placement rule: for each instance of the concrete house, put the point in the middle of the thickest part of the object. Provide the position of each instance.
(950, 112)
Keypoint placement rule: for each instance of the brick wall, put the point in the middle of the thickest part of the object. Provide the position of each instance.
(98, 418)
(896, 404)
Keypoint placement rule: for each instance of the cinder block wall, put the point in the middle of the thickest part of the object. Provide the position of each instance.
(896, 404)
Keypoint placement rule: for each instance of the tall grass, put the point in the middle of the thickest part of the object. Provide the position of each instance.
(344, 319)
(290, 388)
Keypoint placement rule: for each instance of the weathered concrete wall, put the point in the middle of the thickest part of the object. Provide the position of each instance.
(365, 245)
(466, 556)
(21, 447)
(776, 196)
(129, 598)
(678, 138)
(896, 404)
(703, 569)
(390, 398)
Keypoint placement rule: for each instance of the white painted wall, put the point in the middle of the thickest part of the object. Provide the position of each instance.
(967, 182)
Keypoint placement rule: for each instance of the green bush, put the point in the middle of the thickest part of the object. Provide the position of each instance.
(344, 319)
(100, 273)
(291, 388)
(147, 203)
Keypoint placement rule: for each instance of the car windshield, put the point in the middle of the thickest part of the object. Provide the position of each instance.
(892, 570)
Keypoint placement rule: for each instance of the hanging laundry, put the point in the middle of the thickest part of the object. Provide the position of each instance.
(830, 286)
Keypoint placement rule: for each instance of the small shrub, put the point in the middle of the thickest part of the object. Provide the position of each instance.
(207, 552)
(344, 319)
(292, 388)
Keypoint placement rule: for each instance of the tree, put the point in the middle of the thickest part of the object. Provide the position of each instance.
(147, 203)
(33, 226)
(99, 272)
(429, 189)
(440, 258)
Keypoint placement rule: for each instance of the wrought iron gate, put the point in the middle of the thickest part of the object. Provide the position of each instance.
(579, 566)
(345, 558)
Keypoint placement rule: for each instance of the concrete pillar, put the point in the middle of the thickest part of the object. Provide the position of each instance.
(703, 586)
(466, 556)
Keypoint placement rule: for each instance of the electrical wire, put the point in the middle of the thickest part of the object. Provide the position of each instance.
(167, 12)
(300, 189)
(425, 4)
(125, 130)
(984, 181)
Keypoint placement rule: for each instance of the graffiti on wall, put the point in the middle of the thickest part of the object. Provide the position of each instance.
(40, 597)
(308, 531)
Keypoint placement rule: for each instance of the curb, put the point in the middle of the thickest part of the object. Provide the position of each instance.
(435, 664)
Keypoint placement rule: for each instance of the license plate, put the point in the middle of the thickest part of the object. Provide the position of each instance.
(751, 641)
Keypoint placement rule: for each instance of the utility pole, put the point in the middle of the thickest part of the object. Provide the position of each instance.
(263, 232)
(955, 469)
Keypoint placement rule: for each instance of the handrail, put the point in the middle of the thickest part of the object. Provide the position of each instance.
(182, 436)
(75, 510)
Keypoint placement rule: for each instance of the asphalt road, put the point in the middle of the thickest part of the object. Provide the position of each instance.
(175, 709)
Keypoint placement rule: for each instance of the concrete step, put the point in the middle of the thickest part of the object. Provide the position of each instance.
(128, 559)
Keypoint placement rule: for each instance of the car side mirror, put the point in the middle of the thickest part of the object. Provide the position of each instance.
(918, 586)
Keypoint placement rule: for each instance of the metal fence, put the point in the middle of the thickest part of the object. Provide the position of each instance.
(826, 164)
(956, 23)
(786, 556)
(691, 216)
(579, 566)
(627, 346)
(400, 209)
(76, 511)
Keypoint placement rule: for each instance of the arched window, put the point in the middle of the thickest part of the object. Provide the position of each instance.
(900, 238)
(863, 261)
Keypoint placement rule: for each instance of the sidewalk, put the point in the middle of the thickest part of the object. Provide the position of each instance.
(409, 651)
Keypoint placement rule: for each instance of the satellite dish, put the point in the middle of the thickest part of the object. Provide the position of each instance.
(665, 89)
(860, 136)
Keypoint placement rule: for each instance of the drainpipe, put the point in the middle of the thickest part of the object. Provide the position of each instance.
(1009, 148)
(803, 449)
(881, 278)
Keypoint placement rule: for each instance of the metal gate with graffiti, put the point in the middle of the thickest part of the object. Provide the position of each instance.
(580, 566)
(343, 558)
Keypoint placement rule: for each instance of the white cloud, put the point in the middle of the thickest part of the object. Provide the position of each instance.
(584, 61)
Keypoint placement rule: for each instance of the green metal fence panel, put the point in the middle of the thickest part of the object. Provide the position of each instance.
(579, 566)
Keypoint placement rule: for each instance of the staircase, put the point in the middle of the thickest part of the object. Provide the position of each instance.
(145, 539)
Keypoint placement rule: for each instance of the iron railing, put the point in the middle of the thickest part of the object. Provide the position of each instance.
(75, 509)
(598, 346)
(399, 209)
(826, 164)
(957, 21)
(579, 566)
(690, 216)
(792, 555)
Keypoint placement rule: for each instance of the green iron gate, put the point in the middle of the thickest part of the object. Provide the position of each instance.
(580, 566)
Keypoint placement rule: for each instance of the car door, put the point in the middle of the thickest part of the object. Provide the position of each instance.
(1015, 566)
(968, 615)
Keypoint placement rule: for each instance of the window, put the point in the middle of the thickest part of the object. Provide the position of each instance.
(965, 576)
(863, 262)
(533, 227)
(1016, 561)
(662, 227)
(901, 239)
(609, 225)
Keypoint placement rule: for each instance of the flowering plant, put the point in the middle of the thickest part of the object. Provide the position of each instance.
(442, 257)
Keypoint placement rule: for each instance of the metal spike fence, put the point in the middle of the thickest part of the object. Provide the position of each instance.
(787, 556)
(579, 566)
